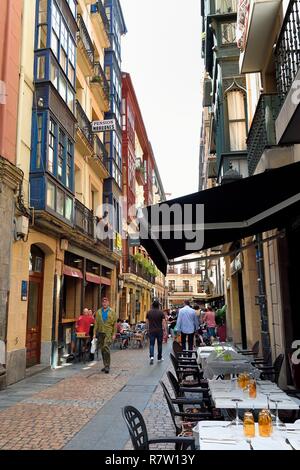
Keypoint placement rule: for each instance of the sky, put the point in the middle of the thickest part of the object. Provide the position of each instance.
(162, 53)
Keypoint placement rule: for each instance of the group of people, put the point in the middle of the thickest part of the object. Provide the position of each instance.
(103, 326)
(188, 322)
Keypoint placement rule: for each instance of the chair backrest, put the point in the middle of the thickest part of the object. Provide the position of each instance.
(170, 405)
(277, 366)
(255, 348)
(174, 384)
(177, 348)
(136, 427)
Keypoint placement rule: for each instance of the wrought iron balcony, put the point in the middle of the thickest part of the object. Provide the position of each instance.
(100, 151)
(287, 52)
(99, 77)
(186, 271)
(262, 132)
(84, 123)
(188, 289)
(84, 219)
(99, 8)
(86, 39)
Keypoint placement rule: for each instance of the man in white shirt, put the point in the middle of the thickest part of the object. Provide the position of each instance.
(187, 324)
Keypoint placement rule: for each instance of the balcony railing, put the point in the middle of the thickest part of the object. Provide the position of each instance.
(99, 8)
(138, 270)
(100, 151)
(99, 77)
(84, 123)
(86, 39)
(186, 271)
(181, 289)
(287, 52)
(84, 219)
(262, 132)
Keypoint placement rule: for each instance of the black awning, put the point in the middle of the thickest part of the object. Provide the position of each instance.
(231, 212)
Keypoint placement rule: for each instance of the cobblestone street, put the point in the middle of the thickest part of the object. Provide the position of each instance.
(59, 414)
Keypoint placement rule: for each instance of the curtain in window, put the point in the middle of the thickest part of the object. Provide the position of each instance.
(237, 121)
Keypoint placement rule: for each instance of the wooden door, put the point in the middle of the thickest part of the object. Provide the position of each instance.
(34, 320)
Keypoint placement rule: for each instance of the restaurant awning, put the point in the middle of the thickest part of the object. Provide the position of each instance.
(231, 212)
(72, 272)
(93, 278)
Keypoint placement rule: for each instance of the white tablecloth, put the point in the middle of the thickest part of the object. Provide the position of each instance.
(223, 360)
(224, 391)
(217, 435)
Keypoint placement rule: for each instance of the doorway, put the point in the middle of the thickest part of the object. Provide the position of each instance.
(35, 306)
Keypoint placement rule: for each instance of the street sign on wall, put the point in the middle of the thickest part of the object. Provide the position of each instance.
(106, 125)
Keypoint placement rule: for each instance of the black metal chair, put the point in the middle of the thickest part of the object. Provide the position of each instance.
(184, 355)
(250, 352)
(139, 435)
(272, 372)
(263, 361)
(179, 391)
(186, 416)
(183, 371)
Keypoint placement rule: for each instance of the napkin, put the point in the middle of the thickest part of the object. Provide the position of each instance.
(267, 443)
(295, 442)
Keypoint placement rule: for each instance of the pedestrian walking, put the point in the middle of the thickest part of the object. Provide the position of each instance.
(187, 324)
(105, 331)
(156, 325)
(210, 320)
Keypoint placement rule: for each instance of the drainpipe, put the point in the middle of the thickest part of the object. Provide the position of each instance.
(265, 333)
(54, 355)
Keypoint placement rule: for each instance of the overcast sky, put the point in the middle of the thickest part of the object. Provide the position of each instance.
(162, 53)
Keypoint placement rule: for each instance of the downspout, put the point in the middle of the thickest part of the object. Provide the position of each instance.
(265, 333)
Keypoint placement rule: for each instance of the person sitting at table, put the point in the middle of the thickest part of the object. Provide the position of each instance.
(122, 333)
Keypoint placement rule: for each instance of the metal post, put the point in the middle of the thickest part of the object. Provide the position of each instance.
(265, 334)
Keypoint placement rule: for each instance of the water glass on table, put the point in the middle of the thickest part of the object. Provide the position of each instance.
(249, 425)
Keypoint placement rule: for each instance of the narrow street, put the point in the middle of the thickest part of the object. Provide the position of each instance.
(78, 407)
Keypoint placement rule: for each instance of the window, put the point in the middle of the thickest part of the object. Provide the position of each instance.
(72, 5)
(63, 88)
(69, 164)
(171, 286)
(60, 202)
(61, 155)
(50, 195)
(68, 208)
(51, 145)
(200, 287)
(54, 73)
(41, 67)
(39, 140)
(237, 120)
(186, 286)
(42, 36)
(228, 31)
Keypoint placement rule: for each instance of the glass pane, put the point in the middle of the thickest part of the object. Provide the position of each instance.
(50, 159)
(42, 37)
(54, 43)
(237, 133)
(71, 99)
(41, 67)
(236, 105)
(51, 195)
(69, 208)
(63, 60)
(63, 88)
(71, 74)
(43, 11)
(54, 74)
(60, 202)
(33, 303)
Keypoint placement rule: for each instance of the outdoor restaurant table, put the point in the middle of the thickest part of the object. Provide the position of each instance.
(220, 435)
(224, 392)
(225, 360)
(204, 351)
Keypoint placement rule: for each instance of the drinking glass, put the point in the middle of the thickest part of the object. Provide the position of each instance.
(249, 425)
(241, 379)
(252, 388)
(264, 423)
(237, 421)
(278, 423)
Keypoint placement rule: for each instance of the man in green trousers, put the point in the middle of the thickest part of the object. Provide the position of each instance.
(105, 331)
